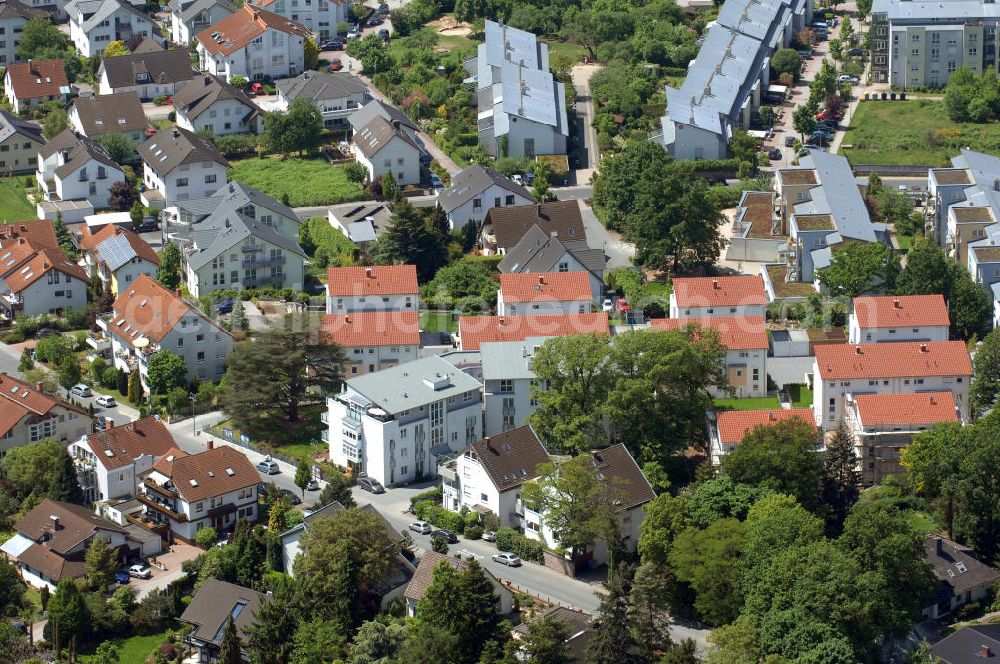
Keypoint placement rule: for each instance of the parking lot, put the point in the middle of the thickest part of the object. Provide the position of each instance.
(166, 568)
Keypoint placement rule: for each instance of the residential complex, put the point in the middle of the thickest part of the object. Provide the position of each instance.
(375, 288)
(93, 24)
(473, 331)
(373, 340)
(504, 227)
(19, 144)
(36, 277)
(508, 380)
(706, 297)
(35, 82)
(319, 16)
(13, 15)
(29, 415)
(902, 318)
(253, 43)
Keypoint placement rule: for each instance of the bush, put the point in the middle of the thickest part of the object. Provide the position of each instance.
(510, 540)
(473, 532)
(433, 495)
(439, 516)
(206, 537)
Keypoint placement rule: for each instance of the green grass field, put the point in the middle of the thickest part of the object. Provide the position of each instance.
(747, 404)
(306, 181)
(438, 321)
(134, 650)
(921, 522)
(802, 397)
(14, 205)
(913, 132)
(573, 52)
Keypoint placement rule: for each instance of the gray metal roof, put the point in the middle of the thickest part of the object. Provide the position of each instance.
(409, 385)
(506, 44)
(939, 11)
(837, 194)
(472, 181)
(98, 11)
(190, 10)
(509, 360)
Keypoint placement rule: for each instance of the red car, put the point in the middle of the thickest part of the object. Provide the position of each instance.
(256, 89)
(336, 64)
(823, 115)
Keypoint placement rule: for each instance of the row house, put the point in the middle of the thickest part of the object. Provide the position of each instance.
(147, 318)
(963, 201)
(393, 425)
(208, 103)
(93, 24)
(111, 463)
(118, 113)
(320, 16)
(898, 318)
(253, 43)
(19, 144)
(848, 370)
(544, 293)
(473, 331)
(747, 343)
(149, 74)
(211, 489)
(35, 82)
(705, 297)
(178, 165)
(76, 168)
(728, 428)
(505, 226)
(373, 340)
(475, 190)
(883, 425)
(36, 277)
(373, 288)
(337, 95)
(539, 251)
(189, 17)
(116, 256)
(29, 415)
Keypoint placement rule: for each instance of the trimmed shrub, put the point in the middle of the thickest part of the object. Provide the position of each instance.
(433, 495)
(473, 532)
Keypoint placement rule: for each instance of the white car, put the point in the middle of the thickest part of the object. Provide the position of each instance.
(140, 571)
(848, 79)
(607, 305)
(421, 527)
(105, 401)
(353, 32)
(80, 390)
(508, 559)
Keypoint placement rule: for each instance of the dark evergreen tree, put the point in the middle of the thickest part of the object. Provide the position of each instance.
(230, 648)
(270, 638)
(546, 642)
(463, 603)
(840, 476)
(612, 642)
(64, 485)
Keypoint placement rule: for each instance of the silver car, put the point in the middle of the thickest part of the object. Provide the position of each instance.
(421, 527)
(508, 559)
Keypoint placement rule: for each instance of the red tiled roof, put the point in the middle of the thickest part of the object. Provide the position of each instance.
(918, 408)
(128, 442)
(374, 280)
(734, 425)
(38, 264)
(901, 311)
(41, 78)
(37, 232)
(239, 29)
(16, 396)
(547, 286)
(207, 474)
(476, 330)
(743, 290)
(735, 332)
(895, 360)
(165, 464)
(373, 328)
(91, 238)
(147, 309)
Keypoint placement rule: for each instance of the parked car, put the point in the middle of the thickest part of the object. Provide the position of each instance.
(148, 225)
(122, 577)
(332, 44)
(336, 64)
(436, 182)
(383, 8)
(857, 52)
(607, 305)
(490, 536)
(293, 497)
(81, 390)
(847, 78)
(369, 484)
(312, 486)
(256, 89)
(805, 55)
(789, 141)
(105, 401)
(622, 304)
(774, 153)
(508, 559)
(353, 32)
(225, 307)
(816, 141)
(825, 135)
(421, 527)
(383, 34)
(268, 466)
(374, 19)
(826, 115)
(445, 535)
(45, 332)
(140, 571)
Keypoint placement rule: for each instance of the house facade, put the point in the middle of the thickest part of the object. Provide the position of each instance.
(36, 277)
(508, 380)
(373, 340)
(32, 416)
(13, 16)
(475, 190)
(385, 147)
(320, 16)
(728, 428)
(19, 144)
(189, 17)
(898, 318)
(178, 165)
(375, 288)
(337, 95)
(541, 252)
(117, 257)
(35, 82)
(93, 24)
(253, 43)
(209, 103)
(75, 168)
(119, 113)
(705, 297)
(474, 331)
(544, 293)
(149, 74)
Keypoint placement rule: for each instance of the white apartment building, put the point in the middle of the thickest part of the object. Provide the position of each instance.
(475, 190)
(473, 331)
(728, 428)
(35, 82)
(898, 318)
(393, 425)
(840, 370)
(31, 416)
(189, 17)
(488, 474)
(72, 167)
(374, 288)
(544, 293)
(337, 95)
(178, 165)
(93, 24)
(209, 103)
(507, 383)
(320, 16)
(252, 43)
(13, 15)
(963, 201)
(705, 297)
(186, 492)
(110, 463)
(147, 318)
(747, 344)
(374, 340)
(19, 143)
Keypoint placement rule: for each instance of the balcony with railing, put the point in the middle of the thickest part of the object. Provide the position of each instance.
(253, 261)
(160, 505)
(250, 248)
(265, 280)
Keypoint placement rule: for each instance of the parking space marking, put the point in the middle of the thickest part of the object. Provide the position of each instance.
(470, 554)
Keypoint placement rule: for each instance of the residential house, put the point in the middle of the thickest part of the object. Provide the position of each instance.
(615, 466)
(840, 370)
(962, 578)
(147, 318)
(487, 476)
(746, 341)
(178, 165)
(759, 232)
(119, 113)
(72, 168)
(424, 576)
(189, 17)
(898, 318)
(290, 547)
(29, 415)
(544, 293)
(728, 80)
(117, 257)
(375, 288)
(253, 43)
(505, 227)
(185, 217)
(34, 82)
(321, 16)
(578, 626)
(93, 24)
(209, 103)
(13, 15)
(823, 207)
(110, 463)
(362, 223)
(36, 277)
(508, 380)
(384, 147)
(728, 428)
(475, 190)
(392, 424)
(211, 609)
(19, 143)
(337, 95)
(539, 251)
(50, 542)
(149, 74)
(883, 425)
(391, 114)
(373, 340)
(38, 232)
(186, 492)
(705, 297)
(968, 645)
(522, 108)
(473, 331)
(963, 201)
(984, 259)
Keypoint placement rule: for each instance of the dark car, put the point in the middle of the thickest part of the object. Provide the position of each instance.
(45, 332)
(374, 19)
(445, 535)
(225, 307)
(858, 52)
(368, 484)
(292, 496)
(774, 153)
(333, 44)
(149, 225)
(825, 135)
(122, 577)
(383, 8)
(789, 141)
(383, 34)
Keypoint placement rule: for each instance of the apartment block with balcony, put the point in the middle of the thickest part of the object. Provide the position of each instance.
(76, 168)
(728, 428)
(701, 298)
(337, 95)
(253, 43)
(507, 383)
(902, 318)
(147, 318)
(963, 201)
(373, 340)
(373, 288)
(394, 425)
(93, 24)
(320, 16)
(178, 165)
(189, 17)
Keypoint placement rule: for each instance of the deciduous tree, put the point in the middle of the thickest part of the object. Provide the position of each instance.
(119, 147)
(860, 267)
(120, 197)
(166, 371)
(168, 272)
(102, 563)
(708, 561)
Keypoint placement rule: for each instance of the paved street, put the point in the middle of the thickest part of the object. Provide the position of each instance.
(586, 134)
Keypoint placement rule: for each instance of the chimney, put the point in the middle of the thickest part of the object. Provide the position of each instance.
(938, 547)
(55, 521)
(38, 387)
(933, 400)
(857, 350)
(369, 273)
(923, 348)
(541, 279)
(347, 319)
(897, 304)
(210, 444)
(502, 321)
(31, 66)
(177, 292)
(487, 441)
(715, 284)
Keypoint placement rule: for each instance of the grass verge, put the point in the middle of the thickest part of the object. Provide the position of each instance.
(305, 182)
(134, 649)
(14, 204)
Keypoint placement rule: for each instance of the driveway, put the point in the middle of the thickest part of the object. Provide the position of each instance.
(618, 252)
(587, 152)
(170, 562)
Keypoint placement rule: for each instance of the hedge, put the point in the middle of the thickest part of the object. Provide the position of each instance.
(434, 494)
(439, 516)
(510, 540)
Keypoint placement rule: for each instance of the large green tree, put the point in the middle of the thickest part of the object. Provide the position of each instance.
(860, 267)
(411, 239)
(45, 469)
(269, 378)
(612, 641)
(787, 61)
(296, 130)
(840, 475)
(68, 616)
(927, 271)
(377, 642)
(102, 563)
(775, 523)
(168, 272)
(119, 147)
(546, 642)
(986, 381)
(708, 561)
(166, 371)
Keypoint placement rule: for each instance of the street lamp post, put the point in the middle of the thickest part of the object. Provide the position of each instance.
(194, 429)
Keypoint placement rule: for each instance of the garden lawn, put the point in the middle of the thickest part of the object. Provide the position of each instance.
(573, 52)
(914, 132)
(921, 522)
(802, 397)
(135, 649)
(306, 182)
(438, 321)
(14, 205)
(747, 404)
(301, 442)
